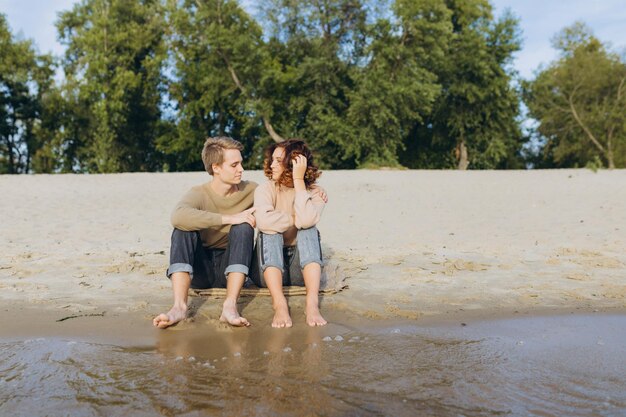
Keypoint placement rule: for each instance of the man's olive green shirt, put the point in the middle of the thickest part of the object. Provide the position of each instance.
(201, 209)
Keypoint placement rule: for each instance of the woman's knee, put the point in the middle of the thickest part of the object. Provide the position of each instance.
(310, 233)
(270, 251)
(309, 246)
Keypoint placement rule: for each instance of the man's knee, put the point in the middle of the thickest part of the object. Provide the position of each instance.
(183, 251)
(184, 246)
(185, 236)
(241, 231)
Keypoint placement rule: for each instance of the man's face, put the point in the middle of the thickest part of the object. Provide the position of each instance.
(277, 163)
(231, 170)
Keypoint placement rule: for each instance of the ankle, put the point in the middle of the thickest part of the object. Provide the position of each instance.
(312, 302)
(230, 303)
(277, 304)
(180, 306)
(312, 309)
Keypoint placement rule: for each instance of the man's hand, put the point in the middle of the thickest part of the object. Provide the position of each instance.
(299, 167)
(322, 194)
(239, 218)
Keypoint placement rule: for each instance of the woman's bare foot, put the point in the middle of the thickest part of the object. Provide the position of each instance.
(313, 316)
(281, 316)
(176, 314)
(231, 316)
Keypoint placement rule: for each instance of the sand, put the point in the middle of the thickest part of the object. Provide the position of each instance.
(412, 245)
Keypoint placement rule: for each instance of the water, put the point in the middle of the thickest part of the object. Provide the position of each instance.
(555, 366)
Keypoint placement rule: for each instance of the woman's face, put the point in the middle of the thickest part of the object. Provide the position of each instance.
(277, 163)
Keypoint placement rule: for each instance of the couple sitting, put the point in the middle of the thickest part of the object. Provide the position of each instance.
(213, 237)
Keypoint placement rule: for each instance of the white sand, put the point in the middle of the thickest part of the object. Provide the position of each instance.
(412, 244)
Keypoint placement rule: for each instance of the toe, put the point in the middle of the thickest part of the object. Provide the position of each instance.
(163, 324)
(159, 319)
(240, 321)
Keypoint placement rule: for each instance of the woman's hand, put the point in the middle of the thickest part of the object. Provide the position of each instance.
(299, 167)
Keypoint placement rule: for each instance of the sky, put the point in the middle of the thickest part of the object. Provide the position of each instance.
(539, 21)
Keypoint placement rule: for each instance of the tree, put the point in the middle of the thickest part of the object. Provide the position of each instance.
(219, 60)
(60, 129)
(23, 79)
(422, 83)
(580, 101)
(352, 81)
(473, 122)
(45, 156)
(316, 48)
(113, 63)
(397, 88)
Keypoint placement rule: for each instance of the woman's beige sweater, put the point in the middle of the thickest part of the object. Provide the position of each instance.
(281, 209)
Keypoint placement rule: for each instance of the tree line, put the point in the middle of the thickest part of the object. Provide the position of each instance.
(380, 83)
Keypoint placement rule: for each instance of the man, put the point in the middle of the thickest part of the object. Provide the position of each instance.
(213, 237)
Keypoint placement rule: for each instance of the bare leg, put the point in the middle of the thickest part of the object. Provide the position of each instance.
(230, 314)
(312, 273)
(181, 281)
(274, 281)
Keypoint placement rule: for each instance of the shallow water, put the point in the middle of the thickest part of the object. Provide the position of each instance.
(544, 366)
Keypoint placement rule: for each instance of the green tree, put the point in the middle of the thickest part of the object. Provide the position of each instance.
(315, 49)
(580, 102)
(23, 79)
(352, 77)
(219, 59)
(473, 123)
(113, 69)
(422, 83)
(397, 88)
(354, 90)
(46, 126)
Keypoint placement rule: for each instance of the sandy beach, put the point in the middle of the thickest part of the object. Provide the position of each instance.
(412, 245)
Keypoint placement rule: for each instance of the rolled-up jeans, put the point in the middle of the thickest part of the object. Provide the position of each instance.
(209, 267)
(291, 260)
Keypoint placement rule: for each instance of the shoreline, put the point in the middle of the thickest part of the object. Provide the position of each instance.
(135, 328)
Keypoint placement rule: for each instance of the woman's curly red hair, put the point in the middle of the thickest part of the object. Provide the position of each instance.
(293, 147)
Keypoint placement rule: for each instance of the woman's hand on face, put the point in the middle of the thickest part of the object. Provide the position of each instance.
(299, 167)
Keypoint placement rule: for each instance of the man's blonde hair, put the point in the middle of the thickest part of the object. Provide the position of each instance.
(213, 151)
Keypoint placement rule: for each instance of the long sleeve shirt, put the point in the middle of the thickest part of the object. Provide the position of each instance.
(281, 209)
(201, 209)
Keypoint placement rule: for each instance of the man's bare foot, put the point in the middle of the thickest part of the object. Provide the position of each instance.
(231, 316)
(281, 316)
(172, 317)
(313, 316)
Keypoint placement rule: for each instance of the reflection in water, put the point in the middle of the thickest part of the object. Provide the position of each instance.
(557, 366)
(268, 370)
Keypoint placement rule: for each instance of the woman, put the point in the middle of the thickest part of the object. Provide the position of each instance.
(288, 207)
